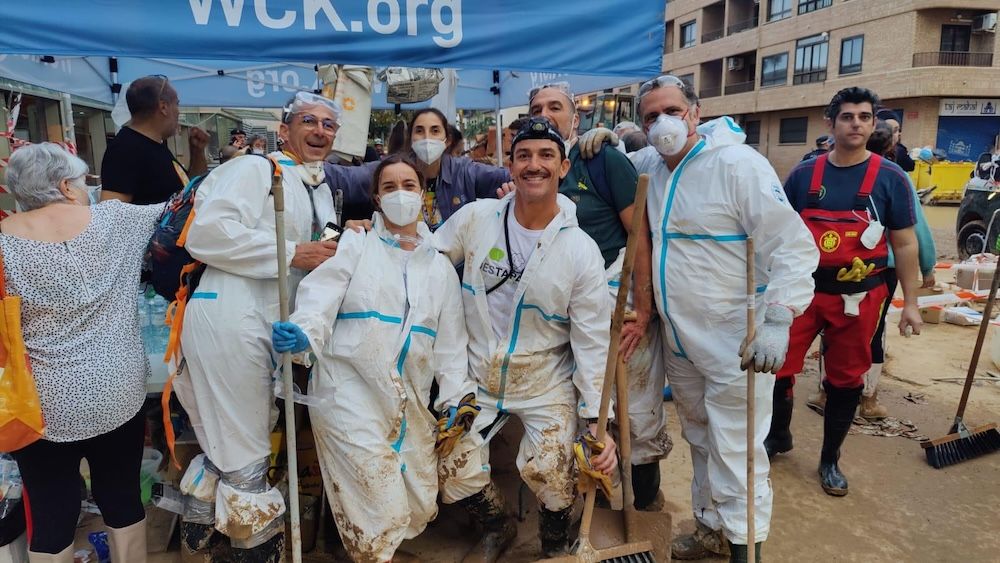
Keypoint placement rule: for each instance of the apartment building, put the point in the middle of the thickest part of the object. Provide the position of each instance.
(774, 65)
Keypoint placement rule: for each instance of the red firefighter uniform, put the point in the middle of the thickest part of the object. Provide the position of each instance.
(850, 291)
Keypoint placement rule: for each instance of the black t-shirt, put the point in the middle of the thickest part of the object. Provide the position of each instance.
(136, 165)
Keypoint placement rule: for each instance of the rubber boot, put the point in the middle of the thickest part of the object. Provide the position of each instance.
(64, 556)
(270, 551)
(128, 543)
(553, 530)
(646, 486)
(488, 509)
(738, 553)
(840, 407)
(703, 543)
(197, 537)
(779, 438)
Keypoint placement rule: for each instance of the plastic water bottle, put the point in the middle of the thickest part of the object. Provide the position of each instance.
(100, 542)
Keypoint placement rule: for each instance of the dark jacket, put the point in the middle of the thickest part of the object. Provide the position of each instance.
(460, 181)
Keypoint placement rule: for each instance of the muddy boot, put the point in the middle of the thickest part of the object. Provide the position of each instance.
(553, 530)
(817, 401)
(646, 485)
(703, 543)
(488, 509)
(738, 553)
(197, 537)
(870, 409)
(837, 420)
(779, 438)
(270, 551)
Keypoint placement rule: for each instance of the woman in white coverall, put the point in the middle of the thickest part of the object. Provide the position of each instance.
(708, 192)
(384, 316)
(227, 388)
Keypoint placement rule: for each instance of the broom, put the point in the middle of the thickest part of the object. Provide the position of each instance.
(962, 443)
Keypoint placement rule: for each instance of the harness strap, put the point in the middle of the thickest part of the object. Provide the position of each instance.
(867, 183)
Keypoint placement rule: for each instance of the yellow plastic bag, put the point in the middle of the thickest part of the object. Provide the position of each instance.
(21, 420)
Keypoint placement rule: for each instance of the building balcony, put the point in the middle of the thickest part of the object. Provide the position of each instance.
(713, 35)
(742, 25)
(710, 92)
(952, 58)
(739, 87)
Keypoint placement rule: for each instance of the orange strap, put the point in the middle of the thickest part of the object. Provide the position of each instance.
(182, 238)
(168, 425)
(181, 173)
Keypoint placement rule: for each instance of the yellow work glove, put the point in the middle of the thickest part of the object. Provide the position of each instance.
(455, 422)
(586, 447)
(858, 272)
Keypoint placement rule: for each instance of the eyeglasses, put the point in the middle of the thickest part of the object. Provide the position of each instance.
(562, 87)
(310, 121)
(163, 84)
(660, 81)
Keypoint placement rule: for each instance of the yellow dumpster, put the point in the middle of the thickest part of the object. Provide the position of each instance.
(949, 179)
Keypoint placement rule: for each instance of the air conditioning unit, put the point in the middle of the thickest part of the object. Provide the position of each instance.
(736, 63)
(985, 23)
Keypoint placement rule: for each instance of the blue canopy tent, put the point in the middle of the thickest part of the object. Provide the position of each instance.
(607, 44)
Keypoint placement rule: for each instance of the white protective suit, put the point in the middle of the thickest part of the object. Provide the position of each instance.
(646, 379)
(548, 368)
(226, 339)
(397, 323)
(700, 215)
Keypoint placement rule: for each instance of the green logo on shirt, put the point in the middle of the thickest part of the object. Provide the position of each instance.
(496, 254)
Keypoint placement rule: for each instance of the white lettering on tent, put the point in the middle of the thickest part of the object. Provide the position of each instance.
(313, 7)
(379, 27)
(258, 82)
(202, 9)
(453, 28)
(411, 15)
(286, 20)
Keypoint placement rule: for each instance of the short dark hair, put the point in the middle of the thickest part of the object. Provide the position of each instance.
(852, 95)
(145, 94)
(880, 141)
(517, 124)
(396, 158)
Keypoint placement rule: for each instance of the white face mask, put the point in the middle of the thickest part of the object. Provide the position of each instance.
(314, 173)
(428, 150)
(401, 207)
(668, 135)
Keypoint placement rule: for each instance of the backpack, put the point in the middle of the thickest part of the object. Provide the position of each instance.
(168, 262)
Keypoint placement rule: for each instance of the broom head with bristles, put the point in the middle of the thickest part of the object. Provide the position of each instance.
(962, 444)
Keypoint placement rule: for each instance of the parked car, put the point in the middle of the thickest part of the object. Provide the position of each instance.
(977, 226)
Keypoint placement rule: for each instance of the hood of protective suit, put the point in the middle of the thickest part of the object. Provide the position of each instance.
(721, 132)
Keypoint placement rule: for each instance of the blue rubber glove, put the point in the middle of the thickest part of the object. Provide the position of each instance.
(288, 337)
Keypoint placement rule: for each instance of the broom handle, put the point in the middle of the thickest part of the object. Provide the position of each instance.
(638, 213)
(980, 338)
(286, 368)
(751, 391)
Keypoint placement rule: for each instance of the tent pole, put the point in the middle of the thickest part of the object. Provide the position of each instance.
(499, 132)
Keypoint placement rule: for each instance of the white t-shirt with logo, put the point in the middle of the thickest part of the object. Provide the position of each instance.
(496, 266)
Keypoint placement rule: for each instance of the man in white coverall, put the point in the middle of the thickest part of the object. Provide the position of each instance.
(708, 192)
(226, 339)
(536, 310)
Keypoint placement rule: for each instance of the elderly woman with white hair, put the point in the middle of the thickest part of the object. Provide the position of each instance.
(75, 265)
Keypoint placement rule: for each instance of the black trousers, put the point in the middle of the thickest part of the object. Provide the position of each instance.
(878, 351)
(51, 474)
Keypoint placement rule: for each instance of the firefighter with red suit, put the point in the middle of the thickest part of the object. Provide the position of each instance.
(856, 204)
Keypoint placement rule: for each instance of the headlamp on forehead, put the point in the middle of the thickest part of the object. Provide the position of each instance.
(304, 100)
(539, 128)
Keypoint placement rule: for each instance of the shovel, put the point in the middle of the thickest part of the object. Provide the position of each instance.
(618, 534)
